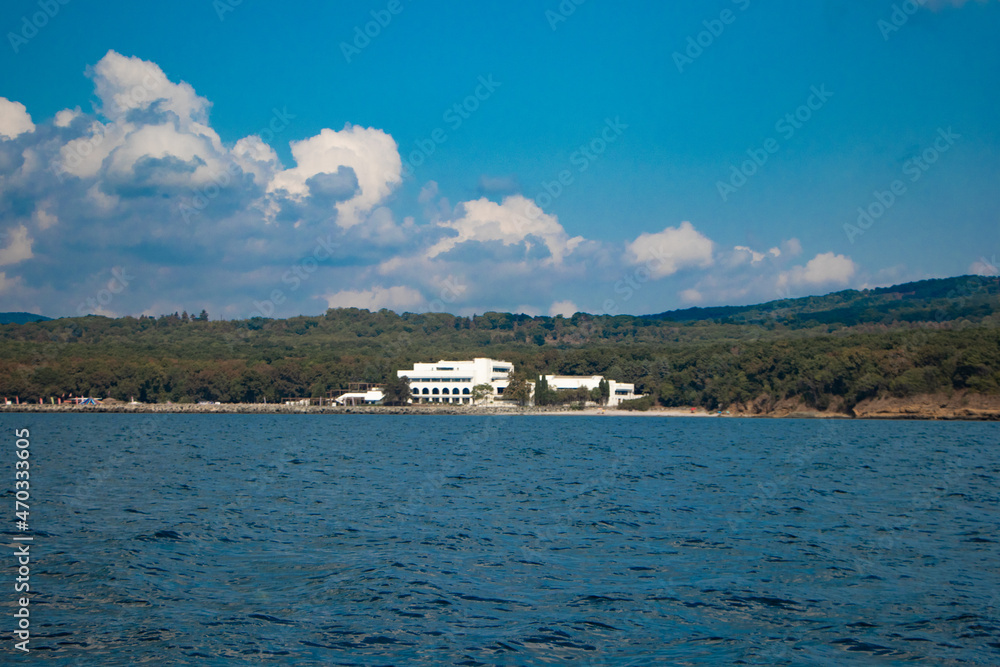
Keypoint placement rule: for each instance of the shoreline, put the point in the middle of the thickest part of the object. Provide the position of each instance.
(909, 412)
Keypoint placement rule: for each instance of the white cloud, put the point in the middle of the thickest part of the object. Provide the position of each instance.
(371, 153)
(823, 269)
(692, 296)
(201, 164)
(984, 267)
(667, 252)
(743, 252)
(397, 298)
(65, 117)
(18, 247)
(792, 246)
(126, 84)
(175, 133)
(564, 308)
(43, 218)
(8, 284)
(14, 119)
(104, 203)
(429, 192)
(257, 158)
(511, 222)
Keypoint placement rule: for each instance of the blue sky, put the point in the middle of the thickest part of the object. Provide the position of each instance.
(603, 157)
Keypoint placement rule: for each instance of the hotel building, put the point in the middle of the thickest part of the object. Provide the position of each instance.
(452, 381)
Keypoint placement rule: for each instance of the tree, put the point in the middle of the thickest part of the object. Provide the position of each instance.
(605, 391)
(203, 317)
(396, 391)
(518, 388)
(543, 395)
(481, 391)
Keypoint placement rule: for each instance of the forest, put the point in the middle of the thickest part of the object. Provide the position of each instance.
(935, 336)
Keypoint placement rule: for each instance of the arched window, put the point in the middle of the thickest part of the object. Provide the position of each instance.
(416, 390)
(435, 391)
(466, 391)
(445, 391)
(426, 391)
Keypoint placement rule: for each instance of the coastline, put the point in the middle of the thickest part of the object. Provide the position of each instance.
(882, 409)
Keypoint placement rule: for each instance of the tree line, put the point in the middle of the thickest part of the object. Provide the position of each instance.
(709, 363)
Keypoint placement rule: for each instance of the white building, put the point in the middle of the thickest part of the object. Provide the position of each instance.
(620, 391)
(369, 397)
(452, 381)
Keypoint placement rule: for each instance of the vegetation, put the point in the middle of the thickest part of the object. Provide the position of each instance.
(930, 337)
(518, 388)
(481, 392)
(396, 390)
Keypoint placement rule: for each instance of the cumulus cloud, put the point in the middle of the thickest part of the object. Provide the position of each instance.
(144, 182)
(17, 248)
(398, 298)
(743, 253)
(515, 221)
(8, 285)
(14, 119)
(984, 267)
(667, 252)
(66, 117)
(126, 84)
(824, 269)
(691, 296)
(564, 308)
(372, 154)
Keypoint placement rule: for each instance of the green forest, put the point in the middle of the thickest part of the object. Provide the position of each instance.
(934, 336)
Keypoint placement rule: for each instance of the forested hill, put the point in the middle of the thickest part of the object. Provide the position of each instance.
(21, 318)
(929, 337)
(923, 301)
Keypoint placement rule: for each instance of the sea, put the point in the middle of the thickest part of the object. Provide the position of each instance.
(370, 540)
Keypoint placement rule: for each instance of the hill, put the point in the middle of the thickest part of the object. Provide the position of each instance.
(21, 318)
(923, 301)
(829, 352)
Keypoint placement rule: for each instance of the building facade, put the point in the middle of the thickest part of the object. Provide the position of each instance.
(620, 391)
(453, 381)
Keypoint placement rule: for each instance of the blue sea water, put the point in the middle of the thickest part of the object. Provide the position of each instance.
(398, 540)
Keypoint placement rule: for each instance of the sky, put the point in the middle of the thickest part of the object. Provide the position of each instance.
(546, 157)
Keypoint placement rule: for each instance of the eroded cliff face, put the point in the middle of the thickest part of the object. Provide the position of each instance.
(958, 405)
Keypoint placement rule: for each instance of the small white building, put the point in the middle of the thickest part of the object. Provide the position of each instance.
(369, 397)
(453, 381)
(620, 391)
